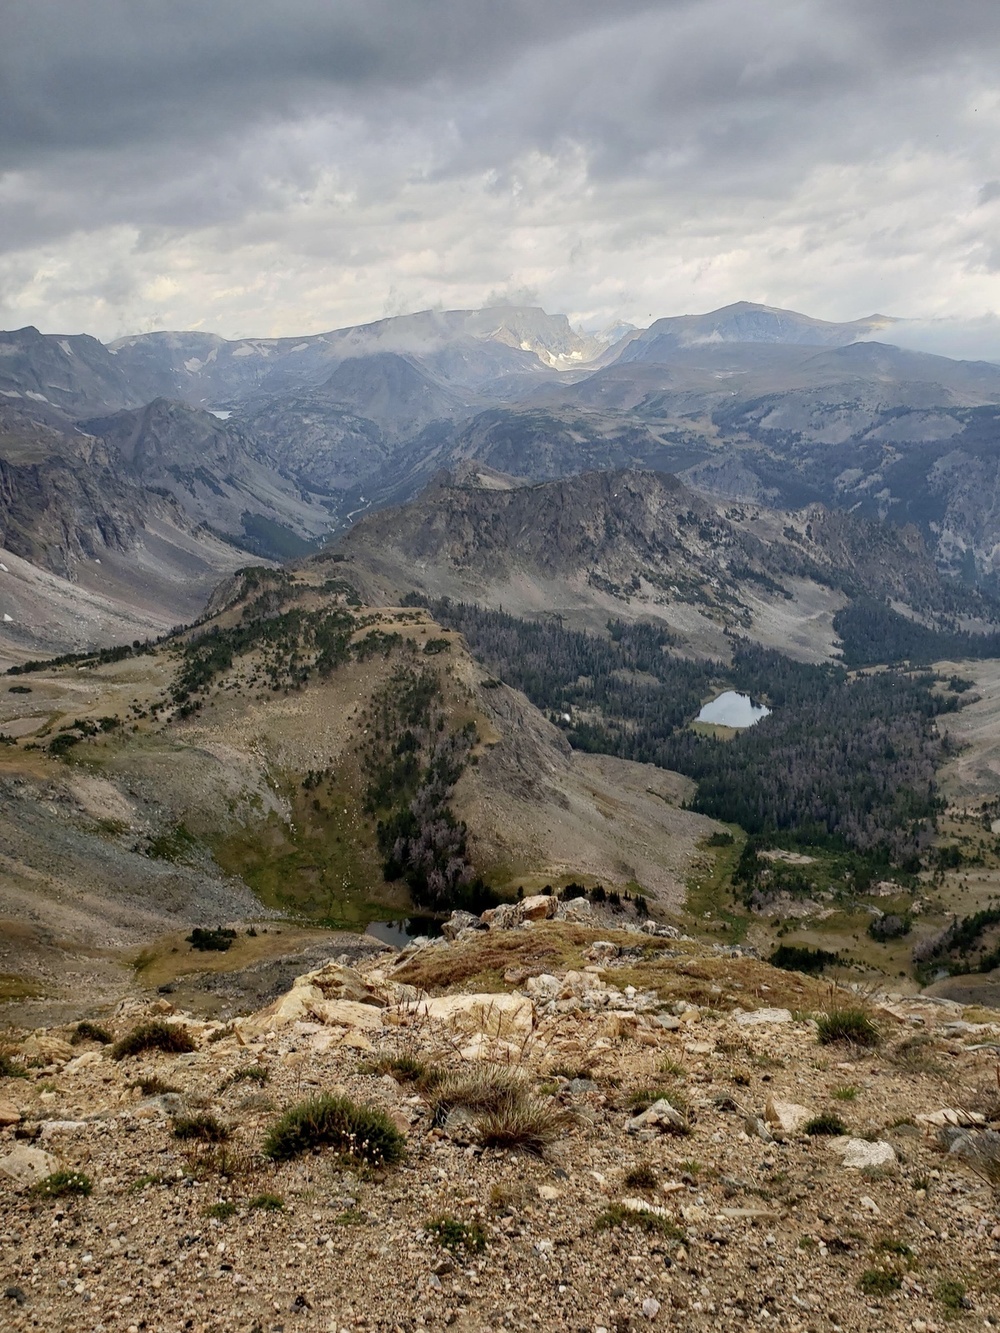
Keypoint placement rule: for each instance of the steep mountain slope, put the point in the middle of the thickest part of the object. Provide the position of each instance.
(745, 322)
(466, 346)
(637, 544)
(252, 765)
(216, 474)
(75, 374)
(91, 555)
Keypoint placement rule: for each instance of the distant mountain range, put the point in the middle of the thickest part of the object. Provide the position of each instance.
(261, 448)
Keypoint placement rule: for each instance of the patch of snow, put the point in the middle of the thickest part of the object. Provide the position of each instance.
(11, 393)
(66, 347)
(4, 567)
(38, 397)
(300, 347)
(7, 620)
(223, 416)
(192, 364)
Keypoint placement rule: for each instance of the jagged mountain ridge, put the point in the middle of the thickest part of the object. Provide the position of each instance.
(638, 544)
(215, 472)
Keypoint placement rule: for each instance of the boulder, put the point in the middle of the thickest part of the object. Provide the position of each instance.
(758, 1017)
(601, 950)
(860, 1154)
(577, 909)
(41, 1048)
(348, 1014)
(661, 1117)
(9, 1114)
(25, 1166)
(496, 1015)
(539, 907)
(460, 921)
(504, 917)
(786, 1116)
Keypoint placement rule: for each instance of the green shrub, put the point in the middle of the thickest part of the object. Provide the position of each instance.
(87, 1031)
(847, 1092)
(852, 1025)
(156, 1036)
(951, 1294)
(643, 1219)
(202, 1127)
(61, 1185)
(642, 1176)
(259, 1074)
(826, 1123)
(455, 1235)
(879, 1282)
(363, 1132)
(220, 1211)
(267, 1203)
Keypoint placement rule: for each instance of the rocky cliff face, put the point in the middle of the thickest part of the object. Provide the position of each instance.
(642, 538)
(213, 470)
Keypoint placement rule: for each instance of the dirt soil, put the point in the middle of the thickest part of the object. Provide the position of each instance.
(614, 1227)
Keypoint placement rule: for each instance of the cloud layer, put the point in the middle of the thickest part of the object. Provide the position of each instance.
(260, 169)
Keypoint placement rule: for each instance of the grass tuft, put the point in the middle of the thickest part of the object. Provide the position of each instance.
(879, 1282)
(521, 1121)
(362, 1132)
(156, 1036)
(62, 1185)
(220, 1211)
(87, 1031)
(826, 1123)
(267, 1203)
(851, 1025)
(259, 1074)
(643, 1219)
(454, 1235)
(9, 1067)
(642, 1176)
(202, 1127)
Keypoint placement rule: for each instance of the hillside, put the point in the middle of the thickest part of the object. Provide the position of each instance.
(251, 765)
(640, 544)
(216, 474)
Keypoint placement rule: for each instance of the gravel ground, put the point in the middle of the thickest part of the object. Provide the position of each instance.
(747, 1233)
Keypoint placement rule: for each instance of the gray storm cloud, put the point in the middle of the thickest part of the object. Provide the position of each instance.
(253, 168)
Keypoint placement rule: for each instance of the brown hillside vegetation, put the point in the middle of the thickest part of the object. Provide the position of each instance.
(131, 813)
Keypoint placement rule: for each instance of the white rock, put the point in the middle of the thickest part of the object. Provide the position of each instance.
(759, 1016)
(651, 1307)
(859, 1153)
(24, 1165)
(787, 1116)
(496, 1015)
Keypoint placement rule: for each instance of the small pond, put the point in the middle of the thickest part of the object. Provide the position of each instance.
(400, 933)
(732, 710)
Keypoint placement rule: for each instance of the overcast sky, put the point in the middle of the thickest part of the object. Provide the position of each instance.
(265, 167)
